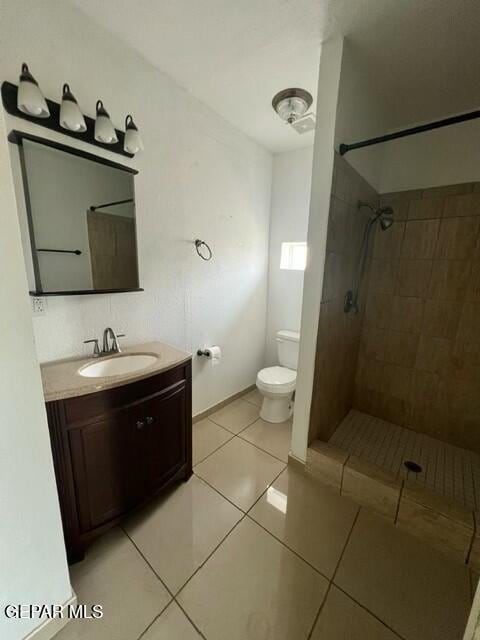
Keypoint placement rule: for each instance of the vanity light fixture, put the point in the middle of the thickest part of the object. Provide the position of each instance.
(292, 104)
(133, 142)
(104, 129)
(71, 117)
(30, 99)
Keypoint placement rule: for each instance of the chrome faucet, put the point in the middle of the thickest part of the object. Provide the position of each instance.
(107, 349)
(115, 348)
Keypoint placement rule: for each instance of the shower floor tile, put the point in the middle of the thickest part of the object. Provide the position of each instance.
(448, 470)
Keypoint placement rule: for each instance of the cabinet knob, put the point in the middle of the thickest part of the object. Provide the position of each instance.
(140, 425)
(149, 420)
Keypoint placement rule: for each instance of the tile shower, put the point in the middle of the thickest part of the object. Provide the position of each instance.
(408, 365)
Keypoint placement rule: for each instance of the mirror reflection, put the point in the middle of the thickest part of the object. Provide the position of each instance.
(80, 221)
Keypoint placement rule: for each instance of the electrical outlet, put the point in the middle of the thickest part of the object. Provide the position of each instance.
(39, 306)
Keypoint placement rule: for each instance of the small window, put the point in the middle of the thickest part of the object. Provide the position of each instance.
(294, 256)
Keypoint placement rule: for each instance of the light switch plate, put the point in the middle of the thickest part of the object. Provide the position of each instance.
(39, 306)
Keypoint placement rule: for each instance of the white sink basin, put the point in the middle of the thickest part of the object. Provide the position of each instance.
(118, 365)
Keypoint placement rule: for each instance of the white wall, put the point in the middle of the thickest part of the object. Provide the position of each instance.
(348, 110)
(434, 158)
(360, 115)
(32, 555)
(198, 177)
(323, 157)
(291, 184)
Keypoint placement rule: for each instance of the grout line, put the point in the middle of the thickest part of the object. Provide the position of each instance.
(374, 615)
(218, 448)
(209, 556)
(147, 562)
(400, 493)
(219, 492)
(264, 450)
(155, 619)
(185, 613)
(474, 534)
(284, 544)
(320, 609)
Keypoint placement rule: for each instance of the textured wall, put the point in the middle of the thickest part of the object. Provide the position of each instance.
(198, 177)
(419, 362)
(291, 183)
(32, 551)
(339, 333)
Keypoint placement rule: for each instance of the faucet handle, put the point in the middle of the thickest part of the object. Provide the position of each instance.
(96, 348)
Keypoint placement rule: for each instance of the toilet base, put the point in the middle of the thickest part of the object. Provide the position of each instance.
(276, 409)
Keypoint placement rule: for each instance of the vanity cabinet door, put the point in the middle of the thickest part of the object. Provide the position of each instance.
(105, 468)
(163, 449)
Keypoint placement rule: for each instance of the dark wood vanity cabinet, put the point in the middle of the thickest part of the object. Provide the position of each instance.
(115, 449)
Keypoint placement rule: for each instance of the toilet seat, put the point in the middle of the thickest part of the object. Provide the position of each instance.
(277, 379)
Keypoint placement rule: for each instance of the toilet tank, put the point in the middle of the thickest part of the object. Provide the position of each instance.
(287, 348)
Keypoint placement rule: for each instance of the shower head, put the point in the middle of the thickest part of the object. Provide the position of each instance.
(385, 223)
(380, 213)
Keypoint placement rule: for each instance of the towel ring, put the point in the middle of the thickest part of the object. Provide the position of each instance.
(198, 246)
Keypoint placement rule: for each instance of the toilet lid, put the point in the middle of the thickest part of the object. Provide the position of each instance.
(277, 375)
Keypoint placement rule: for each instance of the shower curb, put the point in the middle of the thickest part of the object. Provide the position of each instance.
(444, 525)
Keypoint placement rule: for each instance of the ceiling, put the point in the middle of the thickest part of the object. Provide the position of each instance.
(422, 57)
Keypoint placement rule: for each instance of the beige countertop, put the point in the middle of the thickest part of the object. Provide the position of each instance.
(61, 378)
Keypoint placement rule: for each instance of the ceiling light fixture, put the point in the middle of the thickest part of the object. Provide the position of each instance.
(30, 99)
(292, 104)
(104, 129)
(71, 117)
(133, 142)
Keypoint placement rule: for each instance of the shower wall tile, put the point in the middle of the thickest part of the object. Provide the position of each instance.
(449, 190)
(419, 357)
(387, 246)
(465, 205)
(413, 278)
(458, 238)
(420, 238)
(400, 348)
(338, 339)
(426, 208)
(383, 276)
(378, 310)
(406, 314)
(450, 279)
(434, 354)
(473, 288)
(441, 318)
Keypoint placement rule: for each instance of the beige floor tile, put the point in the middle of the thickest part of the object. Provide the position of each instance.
(309, 518)
(115, 575)
(240, 472)
(255, 397)
(253, 587)
(417, 591)
(344, 619)
(236, 416)
(177, 533)
(173, 624)
(207, 437)
(272, 438)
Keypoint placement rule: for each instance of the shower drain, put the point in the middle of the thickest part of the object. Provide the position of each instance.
(413, 466)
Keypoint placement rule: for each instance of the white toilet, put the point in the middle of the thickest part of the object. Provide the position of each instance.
(277, 384)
